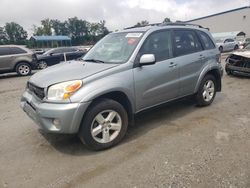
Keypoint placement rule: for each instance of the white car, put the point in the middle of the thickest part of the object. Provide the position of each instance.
(227, 44)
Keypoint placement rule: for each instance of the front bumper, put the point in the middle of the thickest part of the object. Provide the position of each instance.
(54, 117)
(242, 71)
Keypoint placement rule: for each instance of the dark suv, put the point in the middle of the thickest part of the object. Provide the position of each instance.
(17, 59)
(56, 55)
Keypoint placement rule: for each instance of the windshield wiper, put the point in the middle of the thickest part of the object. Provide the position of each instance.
(94, 60)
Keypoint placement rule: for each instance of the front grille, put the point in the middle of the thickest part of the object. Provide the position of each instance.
(38, 91)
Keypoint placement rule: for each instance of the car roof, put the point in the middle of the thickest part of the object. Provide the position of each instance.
(17, 46)
(159, 27)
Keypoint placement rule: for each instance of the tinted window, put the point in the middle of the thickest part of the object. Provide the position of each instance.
(65, 50)
(4, 51)
(186, 42)
(159, 44)
(16, 50)
(206, 40)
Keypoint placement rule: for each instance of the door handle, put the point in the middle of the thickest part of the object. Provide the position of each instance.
(172, 64)
(202, 57)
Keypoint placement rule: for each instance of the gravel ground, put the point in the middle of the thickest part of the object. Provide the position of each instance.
(179, 145)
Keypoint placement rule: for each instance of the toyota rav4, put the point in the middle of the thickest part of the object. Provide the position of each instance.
(124, 73)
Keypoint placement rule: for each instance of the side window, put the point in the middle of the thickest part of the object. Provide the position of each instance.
(159, 44)
(230, 40)
(186, 42)
(206, 41)
(57, 51)
(227, 40)
(4, 51)
(16, 50)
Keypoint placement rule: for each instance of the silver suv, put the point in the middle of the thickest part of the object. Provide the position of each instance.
(17, 59)
(125, 73)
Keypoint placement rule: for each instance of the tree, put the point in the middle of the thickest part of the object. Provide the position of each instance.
(60, 28)
(15, 33)
(3, 36)
(44, 29)
(166, 20)
(142, 23)
(78, 30)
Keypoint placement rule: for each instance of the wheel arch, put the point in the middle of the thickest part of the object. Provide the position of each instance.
(119, 97)
(216, 73)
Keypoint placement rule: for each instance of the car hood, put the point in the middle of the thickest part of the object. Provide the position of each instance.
(245, 53)
(71, 70)
(41, 56)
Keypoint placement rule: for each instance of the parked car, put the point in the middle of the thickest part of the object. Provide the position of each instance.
(125, 73)
(17, 59)
(56, 55)
(227, 44)
(238, 63)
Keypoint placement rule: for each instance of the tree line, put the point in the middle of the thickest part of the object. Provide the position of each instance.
(80, 31)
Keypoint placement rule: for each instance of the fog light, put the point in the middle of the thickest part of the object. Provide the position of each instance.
(56, 122)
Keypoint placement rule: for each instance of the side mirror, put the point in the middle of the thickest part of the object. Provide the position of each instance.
(147, 59)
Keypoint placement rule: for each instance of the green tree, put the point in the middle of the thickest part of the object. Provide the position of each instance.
(60, 28)
(78, 30)
(44, 29)
(166, 20)
(3, 36)
(15, 33)
(141, 23)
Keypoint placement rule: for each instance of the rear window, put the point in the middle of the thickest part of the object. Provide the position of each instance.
(206, 41)
(4, 51)
(186, 42)
(16, 50)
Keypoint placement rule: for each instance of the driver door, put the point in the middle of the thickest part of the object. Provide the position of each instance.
(157, 83)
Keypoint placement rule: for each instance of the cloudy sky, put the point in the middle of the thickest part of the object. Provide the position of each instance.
(117, 13)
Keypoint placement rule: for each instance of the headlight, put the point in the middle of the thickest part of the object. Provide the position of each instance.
(64, 90)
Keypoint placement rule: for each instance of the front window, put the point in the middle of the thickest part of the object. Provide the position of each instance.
(114, 48)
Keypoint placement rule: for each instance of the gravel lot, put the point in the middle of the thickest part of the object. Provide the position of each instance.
(179, 145)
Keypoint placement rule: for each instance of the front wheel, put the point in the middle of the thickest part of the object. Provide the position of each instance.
(42, 65)
(104, 125)
(207, 91)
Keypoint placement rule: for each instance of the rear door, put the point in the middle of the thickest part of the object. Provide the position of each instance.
(157, 83)
(6, 58)
(189, 57)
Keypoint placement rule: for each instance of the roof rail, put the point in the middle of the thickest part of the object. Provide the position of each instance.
(168, 24)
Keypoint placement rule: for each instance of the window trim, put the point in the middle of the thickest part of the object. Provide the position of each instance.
(202, 42)
(171, 54)
(185, 29)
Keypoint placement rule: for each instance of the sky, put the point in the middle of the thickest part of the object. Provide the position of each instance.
(118, 14)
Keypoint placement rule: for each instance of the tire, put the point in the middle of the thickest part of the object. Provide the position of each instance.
(221, 49)
(205, 89)
(236, 47)
(96, 131)
(42, 65)
(23, 69)
(229, 72)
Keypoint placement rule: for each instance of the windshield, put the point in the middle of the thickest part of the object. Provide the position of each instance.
(247, 47)
(114, 48)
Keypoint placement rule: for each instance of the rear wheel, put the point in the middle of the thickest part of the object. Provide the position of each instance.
(207, 91)
(104, 125)
(23, 69)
